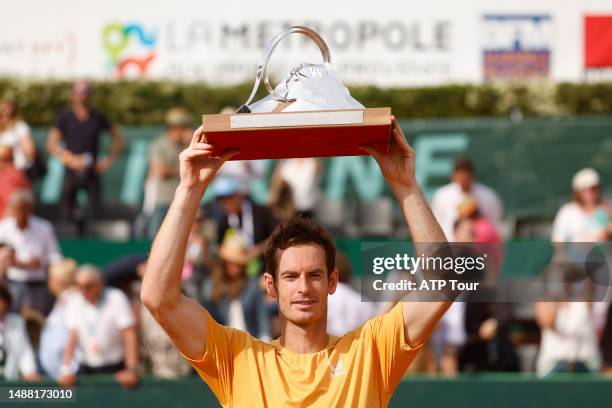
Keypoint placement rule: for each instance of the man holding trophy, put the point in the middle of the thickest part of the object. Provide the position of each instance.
(310, 114)
(305, 366)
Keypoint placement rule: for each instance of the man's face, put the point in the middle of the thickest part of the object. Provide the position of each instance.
(81, 91)
(302, 284)
(21, 212)
(7, 113)
(177, 133)
(464, 178)
(90, 287)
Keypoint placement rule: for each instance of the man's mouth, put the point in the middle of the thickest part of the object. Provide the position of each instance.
(304, 302)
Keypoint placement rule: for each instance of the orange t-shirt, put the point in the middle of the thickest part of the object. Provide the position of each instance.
(360, 369)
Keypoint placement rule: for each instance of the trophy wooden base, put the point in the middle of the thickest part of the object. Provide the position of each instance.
(286, 135)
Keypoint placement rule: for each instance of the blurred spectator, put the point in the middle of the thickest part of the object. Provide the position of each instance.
(159, 356)
(35, 246)
(471, 226)
(164, 166)
(487, 345)
(345, 309)
(446, 201)
(17, 359)
(253, 222)
(237, 300)
(11, 178)
(569, 331)
(102, 325)
(483, 228)
(569, 339)
(55, 331)
(15, 133)
(448, 338)
(586, 217)
(122, 272)
(301, 177)
(80, 128)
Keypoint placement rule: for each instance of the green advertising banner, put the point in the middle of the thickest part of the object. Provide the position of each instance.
(529, 163)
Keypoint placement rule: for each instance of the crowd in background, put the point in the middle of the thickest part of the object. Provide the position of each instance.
(63, 320)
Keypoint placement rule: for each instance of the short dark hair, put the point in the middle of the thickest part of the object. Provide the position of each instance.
(295, 232)
(464, 164)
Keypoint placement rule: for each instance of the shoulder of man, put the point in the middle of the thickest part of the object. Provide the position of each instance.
(115, 295)
(444, 190)
(62, 117)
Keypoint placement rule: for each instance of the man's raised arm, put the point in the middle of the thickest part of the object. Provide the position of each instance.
(397, 166)
(181, 317)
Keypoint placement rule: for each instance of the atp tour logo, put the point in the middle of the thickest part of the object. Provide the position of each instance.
(130, 48)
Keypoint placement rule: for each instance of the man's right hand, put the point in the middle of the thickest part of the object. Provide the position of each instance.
(75, 162)
(67, 380)
(197, 165)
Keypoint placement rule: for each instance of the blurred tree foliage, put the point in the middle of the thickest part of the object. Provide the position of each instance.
(145, 102)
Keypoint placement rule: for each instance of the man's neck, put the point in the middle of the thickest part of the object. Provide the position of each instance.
(81, 110)
(304, 339)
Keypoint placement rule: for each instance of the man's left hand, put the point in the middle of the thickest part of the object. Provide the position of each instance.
(127, 378)
(104, 164)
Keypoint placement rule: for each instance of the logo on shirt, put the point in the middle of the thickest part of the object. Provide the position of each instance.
(338, 370)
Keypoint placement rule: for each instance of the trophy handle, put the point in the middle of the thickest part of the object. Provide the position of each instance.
(262, 68)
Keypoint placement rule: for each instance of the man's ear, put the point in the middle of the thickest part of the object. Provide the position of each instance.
(269, 285)
(333, 281)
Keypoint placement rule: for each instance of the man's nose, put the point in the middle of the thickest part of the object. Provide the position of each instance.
(303, 284)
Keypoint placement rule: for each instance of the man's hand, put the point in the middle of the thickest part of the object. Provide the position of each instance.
(127, 378)
(397, 166)
(33, 263)
(32, 377)
(197, 165)
(67, 380)
(104, 164)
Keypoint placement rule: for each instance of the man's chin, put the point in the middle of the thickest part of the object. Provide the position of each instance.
(304, 317)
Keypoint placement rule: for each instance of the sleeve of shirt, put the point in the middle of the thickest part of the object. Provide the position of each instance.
(387, 335)
(60, 121)
(53, 252)
(125, 314)
(216, 367)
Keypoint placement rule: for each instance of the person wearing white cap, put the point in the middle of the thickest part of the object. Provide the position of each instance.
(586, 217)
(569, 329)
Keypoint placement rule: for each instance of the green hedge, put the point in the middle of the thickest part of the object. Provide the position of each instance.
(144, 103)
